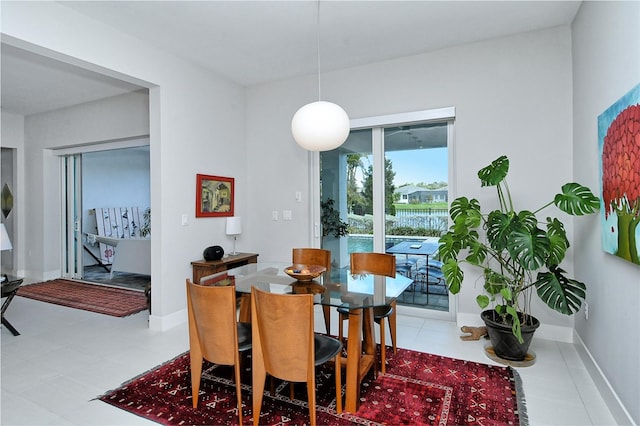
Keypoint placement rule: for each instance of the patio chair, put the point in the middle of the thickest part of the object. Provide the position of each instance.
(429, 275)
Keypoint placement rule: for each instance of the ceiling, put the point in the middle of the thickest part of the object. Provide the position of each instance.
(254, 42)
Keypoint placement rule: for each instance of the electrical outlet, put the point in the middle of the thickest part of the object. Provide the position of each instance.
(586, 310)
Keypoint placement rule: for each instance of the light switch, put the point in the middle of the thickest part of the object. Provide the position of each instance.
(185, 219)
(274, 215)
(298, 196)
(286, 214)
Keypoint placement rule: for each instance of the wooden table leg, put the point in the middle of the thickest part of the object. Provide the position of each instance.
(368, 336)
(326, 310)
(245, 308)
(354, 352)
(360, 338)
(392, 325)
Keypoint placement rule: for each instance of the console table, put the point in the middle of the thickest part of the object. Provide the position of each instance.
(202, 268)
(10, 287)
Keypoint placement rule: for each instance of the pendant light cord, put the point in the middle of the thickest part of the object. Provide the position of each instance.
(318, 49)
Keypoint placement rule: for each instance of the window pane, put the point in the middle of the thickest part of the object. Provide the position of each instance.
(416, 163)
(342, 172)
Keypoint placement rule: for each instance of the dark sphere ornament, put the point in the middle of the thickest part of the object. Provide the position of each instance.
(213, 253)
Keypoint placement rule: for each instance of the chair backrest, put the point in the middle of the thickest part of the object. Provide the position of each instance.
(312, 256)
(373, 263)
(283, 334)
(212, 322)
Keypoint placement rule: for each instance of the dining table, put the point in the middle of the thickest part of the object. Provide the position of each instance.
(359, 293)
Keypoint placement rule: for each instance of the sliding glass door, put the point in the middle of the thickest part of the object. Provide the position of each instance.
(71, 170)
(388, 184)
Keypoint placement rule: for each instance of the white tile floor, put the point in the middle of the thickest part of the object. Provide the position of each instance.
(65, 358)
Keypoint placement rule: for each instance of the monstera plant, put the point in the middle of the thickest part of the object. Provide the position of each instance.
(517, 252)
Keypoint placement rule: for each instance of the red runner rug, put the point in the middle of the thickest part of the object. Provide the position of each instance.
(418, 389)
(116, 302)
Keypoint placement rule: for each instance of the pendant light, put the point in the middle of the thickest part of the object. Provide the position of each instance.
(321, 125)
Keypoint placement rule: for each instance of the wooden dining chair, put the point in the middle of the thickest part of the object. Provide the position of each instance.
(215, 334)
(286, 347)
(316, 256)
(378, 264)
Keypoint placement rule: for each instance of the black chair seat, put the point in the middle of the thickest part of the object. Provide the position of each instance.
(326, 348)
(379, 312)
(244, 336)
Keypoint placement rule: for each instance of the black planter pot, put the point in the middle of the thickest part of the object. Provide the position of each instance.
(505, 344)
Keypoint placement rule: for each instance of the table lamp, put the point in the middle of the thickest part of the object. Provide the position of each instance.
(234, 227)
(5, 242)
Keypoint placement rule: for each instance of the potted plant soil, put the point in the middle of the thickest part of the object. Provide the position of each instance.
(519, 256)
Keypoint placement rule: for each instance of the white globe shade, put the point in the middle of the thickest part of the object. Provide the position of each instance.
(320, 126)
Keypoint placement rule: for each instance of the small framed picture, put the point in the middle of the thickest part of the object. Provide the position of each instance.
(214, 196)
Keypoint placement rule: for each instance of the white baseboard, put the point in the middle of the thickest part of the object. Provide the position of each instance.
(472, 320)
(617, 409)
(31, 277)
(166, 322)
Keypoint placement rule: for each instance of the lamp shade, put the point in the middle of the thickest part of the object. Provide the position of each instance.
(234, 225)
(5, 242)
(320, 126)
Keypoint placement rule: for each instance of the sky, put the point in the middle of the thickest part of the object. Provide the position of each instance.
(422, 165)
(415, 166)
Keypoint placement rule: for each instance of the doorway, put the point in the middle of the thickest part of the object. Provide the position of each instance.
(99, 184)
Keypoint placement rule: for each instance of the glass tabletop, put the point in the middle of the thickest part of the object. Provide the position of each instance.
(355, 292)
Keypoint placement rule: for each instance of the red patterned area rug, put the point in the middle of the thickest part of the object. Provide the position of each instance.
(116, 302)
(418, 389)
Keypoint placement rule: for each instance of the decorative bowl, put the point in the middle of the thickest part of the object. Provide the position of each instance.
(304, 272)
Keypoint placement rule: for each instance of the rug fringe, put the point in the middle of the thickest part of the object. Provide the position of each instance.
(520, 400)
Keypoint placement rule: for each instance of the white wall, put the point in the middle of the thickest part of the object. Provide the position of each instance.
(512, 96)
(115, 178)
(196, 125)
(12, 136)
(7, 181)
(606, 65)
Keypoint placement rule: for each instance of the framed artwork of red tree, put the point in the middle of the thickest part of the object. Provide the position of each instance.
(619, 143)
